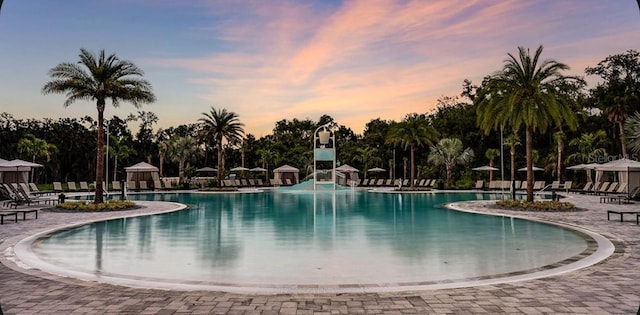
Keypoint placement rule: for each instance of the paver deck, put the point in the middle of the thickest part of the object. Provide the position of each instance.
(610, 287)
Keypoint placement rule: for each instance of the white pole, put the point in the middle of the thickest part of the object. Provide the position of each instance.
(106, 188)
(502, 162)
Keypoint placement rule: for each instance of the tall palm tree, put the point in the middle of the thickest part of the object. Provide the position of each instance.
(512, 141)
(632, 130)
(526, 93)
(119, 151)
(100, 78)
(367, 155)
(35, 148)
(414, 131)
(221, 124)
(588, 147)
(559, 138)
(450, 152)
(180, 150)
(491, 154)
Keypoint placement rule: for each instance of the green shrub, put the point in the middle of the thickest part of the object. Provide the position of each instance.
(90, 206)
(545, 205)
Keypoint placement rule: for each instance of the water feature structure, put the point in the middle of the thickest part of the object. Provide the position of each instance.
(324, 155)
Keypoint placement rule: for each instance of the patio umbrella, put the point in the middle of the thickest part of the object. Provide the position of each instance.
(376, 170)
(239, 169)
(258, 169)
(485, 168)
(535, 168)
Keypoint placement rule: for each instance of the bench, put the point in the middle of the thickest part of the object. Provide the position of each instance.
(622, 213)
(8, 214)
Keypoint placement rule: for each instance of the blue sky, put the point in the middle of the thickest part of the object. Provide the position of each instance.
(269, 60)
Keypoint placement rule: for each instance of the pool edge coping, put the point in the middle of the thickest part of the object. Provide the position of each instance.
(22, 244)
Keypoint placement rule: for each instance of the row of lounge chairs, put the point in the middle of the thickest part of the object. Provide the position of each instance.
(14, 195)
(381, 182)
(521, 185)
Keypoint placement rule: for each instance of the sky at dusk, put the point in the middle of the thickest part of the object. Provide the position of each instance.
(269, 60)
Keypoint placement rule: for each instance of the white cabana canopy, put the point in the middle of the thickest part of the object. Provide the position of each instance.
(142, 172)
(628, 171)
(286, 172)
(350, 172)
(16, 171)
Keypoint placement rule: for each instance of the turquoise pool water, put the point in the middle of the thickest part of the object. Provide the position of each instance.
(302, 238)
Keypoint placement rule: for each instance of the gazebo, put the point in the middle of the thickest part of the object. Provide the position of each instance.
(285, 172)
(143, 172)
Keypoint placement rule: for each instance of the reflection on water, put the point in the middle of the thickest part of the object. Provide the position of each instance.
(311, 238)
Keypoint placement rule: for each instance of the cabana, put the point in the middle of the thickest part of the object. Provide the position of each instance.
(628, 171)
(285, 172)
(16, 171)
(143, 172)
(350, 173)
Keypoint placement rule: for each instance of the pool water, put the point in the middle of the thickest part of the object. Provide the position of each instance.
(307, 238)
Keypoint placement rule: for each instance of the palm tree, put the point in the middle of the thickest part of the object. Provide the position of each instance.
(491, 154)
(559, 138)
(526, 93)
(99, 78)
(588, 147)
(34, 147)
(367, 155)
(450, 152)
(180, 150)
(219, 125)
(119, 151)
(632, 130)
(511, 142)
(411, 133)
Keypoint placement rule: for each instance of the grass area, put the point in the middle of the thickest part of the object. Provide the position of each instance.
(544, 205)
(109, 205)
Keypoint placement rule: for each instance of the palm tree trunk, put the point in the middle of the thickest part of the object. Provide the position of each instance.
(100, 152)
(490, 172)
(220, 170)
(624, 145)
(559, 167)
(529, 144)
(512, 151)
(161, 163)
(413, 165)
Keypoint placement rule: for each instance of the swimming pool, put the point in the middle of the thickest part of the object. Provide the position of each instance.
(281, 239)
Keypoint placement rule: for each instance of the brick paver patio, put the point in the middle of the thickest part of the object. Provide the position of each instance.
(609, 287)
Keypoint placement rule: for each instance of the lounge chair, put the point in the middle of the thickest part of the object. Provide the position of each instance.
(71, 186)
(84, 186)
(538, 185)
(479, 185)
(288, 182)
(259, 182)
(57, 187)
(131, 185)
(115, 185)
(34, 190)
(567, 186)
(555, 185)
(587, 187)
(143, 185)
(602, 189)
(157, 185)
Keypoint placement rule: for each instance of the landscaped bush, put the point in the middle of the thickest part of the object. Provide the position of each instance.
(545, 205)
(90, 206)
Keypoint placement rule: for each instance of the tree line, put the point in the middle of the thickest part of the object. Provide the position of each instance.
(544, 118)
